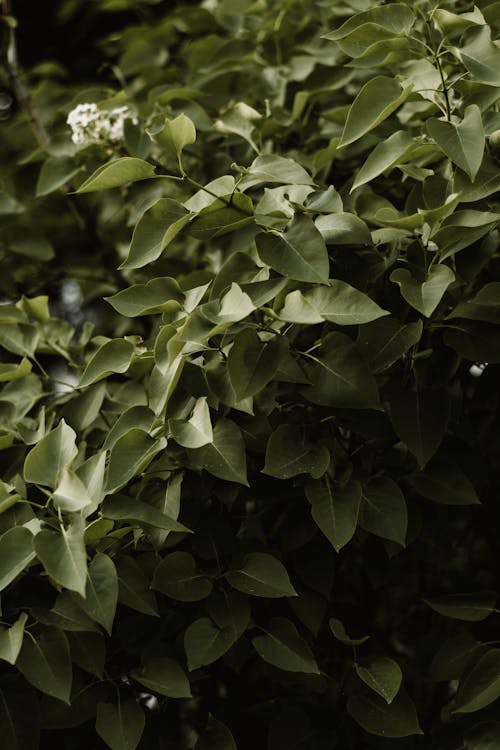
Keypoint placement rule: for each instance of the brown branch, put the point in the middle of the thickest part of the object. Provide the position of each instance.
(14, 74)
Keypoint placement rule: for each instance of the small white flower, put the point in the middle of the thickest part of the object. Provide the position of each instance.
(89, 124)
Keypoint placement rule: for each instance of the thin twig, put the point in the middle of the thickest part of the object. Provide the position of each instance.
(21, 93)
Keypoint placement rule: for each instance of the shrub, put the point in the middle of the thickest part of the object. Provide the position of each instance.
(250, 500)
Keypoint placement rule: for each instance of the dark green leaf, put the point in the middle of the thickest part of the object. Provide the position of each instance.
(335, 509)
(339, 375)
(204, 642)
(481, 685)
(472, 607)
(298, 253)
(261, 575)
(120, 725)
(164, 676)
(383, 510)
(382, 675)
(177, 577)
(289, 452)
(45, 662)
(283, 647)
(215, 736)
(398, 719)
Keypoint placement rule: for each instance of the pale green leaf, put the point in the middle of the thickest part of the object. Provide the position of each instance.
(114, 356)
(63, 555)
(11, 639)
(377, 99)
(116, 173)
(16, 553)
(463, 143)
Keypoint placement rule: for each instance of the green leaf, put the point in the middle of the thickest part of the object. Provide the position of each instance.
(396, 18)
(420, 419)
(175, 135)
(383, 510)
(451, 659)
(11, 639)
(134, 590)
(289, 452)
(261, 575)
(371, 712)
(45, 662)
(472, 607)
(177, 577)
(481, 685)
(204, 642)
(116, 173)
(14, 371)
(340, 633)
(121, 508)
(340, 376)
(113, 356)
(230, 609)
(386, 340)
(481, 56)
(444, 482)
(153, 233)
(343, 229)
(239, 119)
(384, 156)
(485, 305)
(477, 342)
(56, 171)
(195, 431)
(252, 363)
(164, 676)
(70, 495)
(382, 675)
(101, 591)
(298, 253)
(463, 143)
(226, 214)
(63, 555)
(162, 294)
(274, 168)
(88, 651)
(483, 736)
(130, 455)
(283, 647)
(45, 463)
(19, 338)
(462, 229)
(338, 303)
(215, 736)
(17, 701)
(16, 553)
(335, 509)
(225, 456)
(121, 725)
(424, 296)
(377, 99)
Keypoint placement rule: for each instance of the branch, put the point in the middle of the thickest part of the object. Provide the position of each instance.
(11, 61)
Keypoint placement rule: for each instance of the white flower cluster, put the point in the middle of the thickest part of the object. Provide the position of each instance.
(89, 124)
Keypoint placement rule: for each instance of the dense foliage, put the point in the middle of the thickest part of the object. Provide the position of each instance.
(249, 354)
